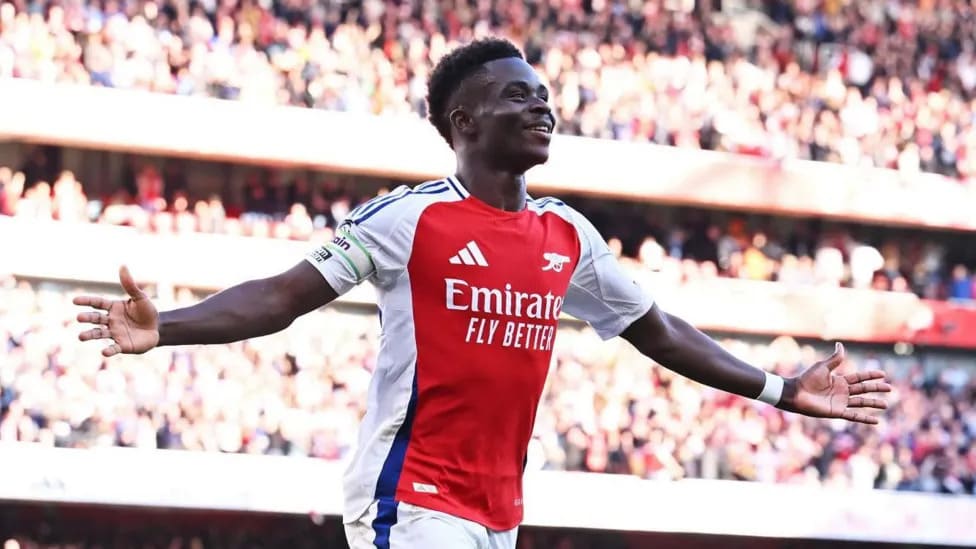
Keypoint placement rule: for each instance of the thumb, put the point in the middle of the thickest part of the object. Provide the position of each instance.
(129, 285)
(836, 359)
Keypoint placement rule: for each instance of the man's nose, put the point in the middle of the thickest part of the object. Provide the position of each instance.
(540, 107)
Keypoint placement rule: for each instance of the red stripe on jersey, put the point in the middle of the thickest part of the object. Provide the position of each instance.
(485, 323)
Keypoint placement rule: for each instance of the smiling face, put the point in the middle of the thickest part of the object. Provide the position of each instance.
(506, 115)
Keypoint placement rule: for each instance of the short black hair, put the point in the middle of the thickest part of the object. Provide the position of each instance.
(454, 68)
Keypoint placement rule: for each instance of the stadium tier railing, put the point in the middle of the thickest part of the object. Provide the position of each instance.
(405, 147)
(304, 486)
(91, 253)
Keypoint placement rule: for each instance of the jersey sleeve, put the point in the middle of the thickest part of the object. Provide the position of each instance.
(365, 246)
(600, 292)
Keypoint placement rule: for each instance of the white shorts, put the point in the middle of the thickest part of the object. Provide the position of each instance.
(420, 528)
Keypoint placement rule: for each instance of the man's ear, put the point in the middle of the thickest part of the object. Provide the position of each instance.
(462, 121)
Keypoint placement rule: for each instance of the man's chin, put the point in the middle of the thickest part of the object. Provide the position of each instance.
(522, 159)
(534, 156)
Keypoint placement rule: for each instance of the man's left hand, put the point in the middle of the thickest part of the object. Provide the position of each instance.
(821, 391)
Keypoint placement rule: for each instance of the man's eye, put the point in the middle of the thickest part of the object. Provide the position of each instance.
(516, 95)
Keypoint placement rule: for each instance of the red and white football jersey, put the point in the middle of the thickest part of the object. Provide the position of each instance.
(469, 299)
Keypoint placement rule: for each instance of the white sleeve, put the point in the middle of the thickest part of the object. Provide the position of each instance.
(366, 246)
(600, 292)
(345, 261)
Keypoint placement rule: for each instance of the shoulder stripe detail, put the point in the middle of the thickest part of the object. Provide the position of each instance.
(552, 206)
(458, 188)
(397, 193)
(377, 204)
(429, 184)
(547, 201)
(374, 211)
(374, 202)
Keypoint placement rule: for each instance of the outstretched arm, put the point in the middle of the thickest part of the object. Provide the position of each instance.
(368, 244)
(819, 391)
(250, 309)
(613, 303)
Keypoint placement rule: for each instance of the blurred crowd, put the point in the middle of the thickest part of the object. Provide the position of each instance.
(886, 83)
(605, 408)
(155, 199)
(609, 410)
(683, 244)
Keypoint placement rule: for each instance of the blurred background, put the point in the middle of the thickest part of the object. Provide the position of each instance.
(783, 174)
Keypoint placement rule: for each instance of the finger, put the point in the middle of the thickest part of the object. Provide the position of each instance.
(869, 387)
(100, 332)
(92, 301)
(858, 377)
(867, 402)
(111, 350)
(129, 285)
(857, 417)
(838, 357)
(93, 317)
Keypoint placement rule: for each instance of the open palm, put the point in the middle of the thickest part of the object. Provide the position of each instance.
(822, 392)
(132, 324)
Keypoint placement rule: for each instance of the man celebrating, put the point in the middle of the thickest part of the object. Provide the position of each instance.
(471, 278)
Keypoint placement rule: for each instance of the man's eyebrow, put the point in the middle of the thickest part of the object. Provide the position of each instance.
(525, 85)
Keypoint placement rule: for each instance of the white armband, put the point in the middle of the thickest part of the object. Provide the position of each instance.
(352, 252)
(344, 262)
(773, 389)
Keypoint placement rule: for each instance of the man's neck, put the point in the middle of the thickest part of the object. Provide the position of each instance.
(499, 189)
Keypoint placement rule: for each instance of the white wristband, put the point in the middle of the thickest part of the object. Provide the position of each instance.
(773, 389)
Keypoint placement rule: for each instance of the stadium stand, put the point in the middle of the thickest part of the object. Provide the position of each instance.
(869, 83)
(691, 243)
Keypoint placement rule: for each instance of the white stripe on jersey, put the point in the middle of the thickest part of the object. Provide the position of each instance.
(479, 258)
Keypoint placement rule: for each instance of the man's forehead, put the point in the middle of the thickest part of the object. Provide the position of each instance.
(511, 69)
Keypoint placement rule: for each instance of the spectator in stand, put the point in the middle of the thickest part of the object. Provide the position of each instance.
(69, 202)
(831, 81)
(963, 286)
(11, 189)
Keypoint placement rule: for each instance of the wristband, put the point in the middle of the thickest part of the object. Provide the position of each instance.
(773, 389)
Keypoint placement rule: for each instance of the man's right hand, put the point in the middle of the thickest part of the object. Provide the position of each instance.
(131, 324)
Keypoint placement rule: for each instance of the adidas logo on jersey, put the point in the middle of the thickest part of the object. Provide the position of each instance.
(470, 254)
